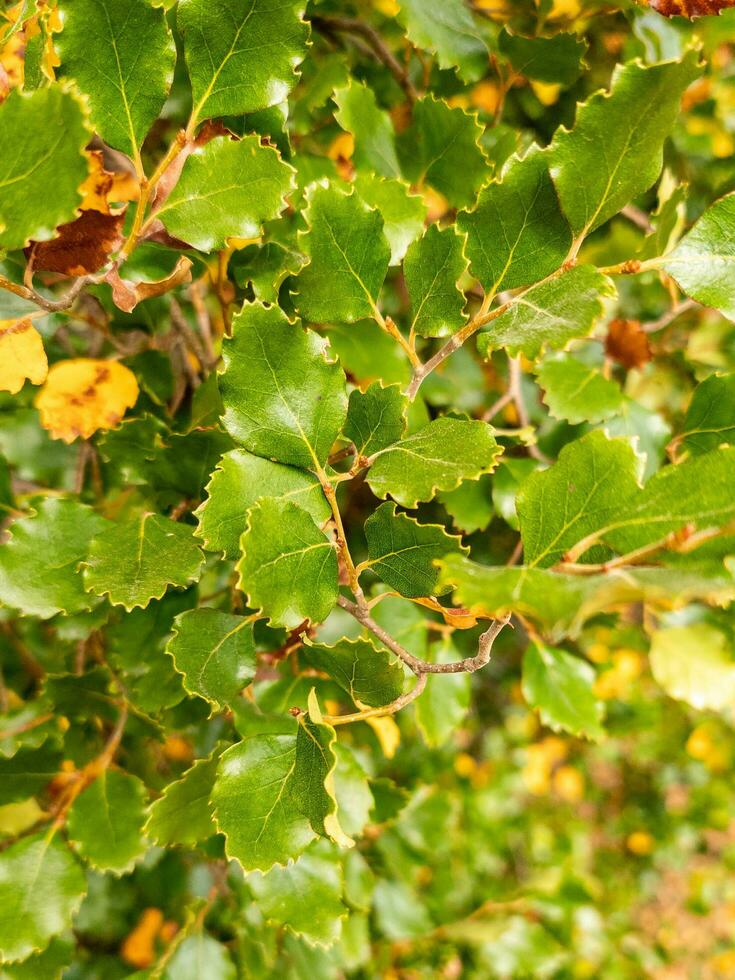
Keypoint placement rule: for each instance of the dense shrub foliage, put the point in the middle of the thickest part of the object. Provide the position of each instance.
(367, 439)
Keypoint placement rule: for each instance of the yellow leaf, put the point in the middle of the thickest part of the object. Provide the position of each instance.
(21, 355)
(139, 948)
(83, 395)
(387, 733)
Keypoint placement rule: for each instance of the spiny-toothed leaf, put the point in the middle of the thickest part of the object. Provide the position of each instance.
(283, 399)
(274, 792)
(41, 887)
(28, 771)
(470, 505)
(215, 652)
(437, 457)
(305, 896)
(121, 55)
(403, 212)
(449, 31)
(359, 114)
(227, 189)
(39, 187)
(201, 957)
(560, 687)
(219, 41)
(402, 552)
(39, 564)
(47, 965)
(578, 392)
(348, 257)
(442, 147)
(432, 268)
(694, 664)
(288, 568)
(710, 418)
(184, 813)
(265, 267)
(562, 603)
(549, 315)
(589, 486)
(376, 417)
(135, 562)
(517, 234)
(555, 60)
(631, 122)
(241, 480)
(704, 260)
(368, 675)
(443, 705)
(105, 823)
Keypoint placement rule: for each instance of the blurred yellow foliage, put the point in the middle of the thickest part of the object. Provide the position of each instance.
(21, 355)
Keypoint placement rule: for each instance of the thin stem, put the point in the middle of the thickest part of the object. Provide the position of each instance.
(386, 709)
(515, 375)
(51, 306)
(389, 326)
(344, 550)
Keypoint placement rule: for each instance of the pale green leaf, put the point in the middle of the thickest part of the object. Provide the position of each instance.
(184, 813)
(432, 269)
(560, 687)
(376, 417)
(200, 957)
(578, 392)
(215, 653)
(403, 212)
(437, 457)
(470, 505)
(358, 113)
(137, 561)
(105, 823)
(443, 706)
(506, 483)
(710, 418)
(368, 675)
(121, 55)
(288, 568)
(695, 664)
(354, 798)
(283, 399)
(449, 31)
(227, 189)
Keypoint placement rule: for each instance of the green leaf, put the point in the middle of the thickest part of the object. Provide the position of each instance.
(516, 234)
(214, 652)
(135, 562)
(274, 794)
(375, 145)
(402, 551)
(631, 122)
(432, 268)
(368, 675)
(241, 480)
(283, 399)
(442, 708)
(219, 41)
(578, 392)
(227, 189)
(506, 483)
(703, 261)
(348, 257)
(368, 353)
(184, 813)
(288, 568)
(560, 687)
(48, 965)
(265, 267)
(710, 418)
(39, 564)
(442, 148)
(27, 772)
(556, 60)
(549, 315)
(403, 212)
(201, 957)
(376, 417)
(470, 506)
(437, 457)
(121, 55)
(39, 187)
(41, 888)
(695, 664)
(355, 800)
(105, 823)
(450, 32)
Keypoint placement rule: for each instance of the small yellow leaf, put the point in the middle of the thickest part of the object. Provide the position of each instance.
(387, 733)
(21, 355)
(83, 395)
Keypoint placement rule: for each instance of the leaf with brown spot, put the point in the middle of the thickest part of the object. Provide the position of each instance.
(126, 294)
(80, 246)
(627, 343)
(690, 8)
(21, 355)
(83, 395)
(97, 186)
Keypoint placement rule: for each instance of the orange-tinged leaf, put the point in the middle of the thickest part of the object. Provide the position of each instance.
(126, 294)
(80, 246)
(627, 343)
(139, 948)
(83, 395)
(97, 186)
(690, 8)
(21, 355)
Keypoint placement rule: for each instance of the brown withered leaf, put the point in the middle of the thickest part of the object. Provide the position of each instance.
(126, 294)
(627, 343)
(81, 246)
(690, 8)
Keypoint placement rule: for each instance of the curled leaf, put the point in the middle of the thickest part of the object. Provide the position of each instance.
(126, 294)
(80, 246)
(21, 355)
(83, 395)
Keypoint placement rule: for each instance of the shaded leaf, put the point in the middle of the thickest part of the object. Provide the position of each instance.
(368, 675)
(560, 687)
(376, 417)
(358, 113)
(576, 391)
(450, 32)
(403, 212)
(184, 813)
(710, 418)
(442, 708)
(554, 59)
(432, 268)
